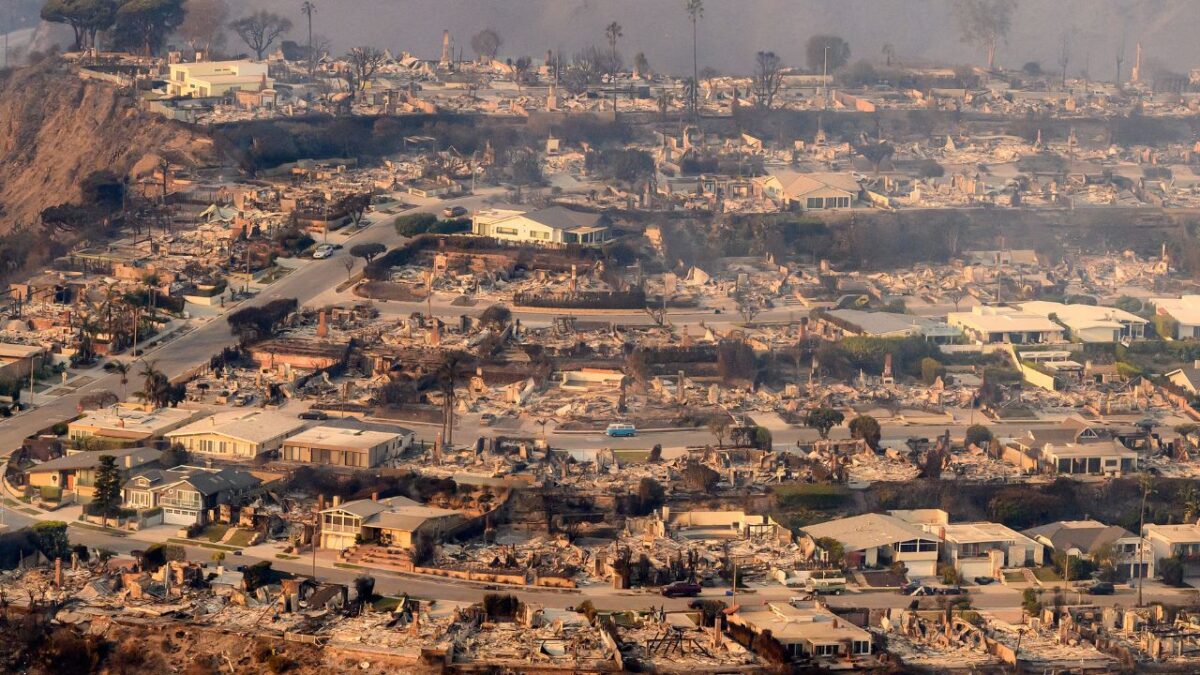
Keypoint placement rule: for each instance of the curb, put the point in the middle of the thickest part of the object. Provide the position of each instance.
(667, 430)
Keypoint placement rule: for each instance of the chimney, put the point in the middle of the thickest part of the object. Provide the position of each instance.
(445, 47)
(1196, 364)
(374, 496)
(58, 572)
(322, 325)
(835, 622)
(320, 502)
(337, 501)
(435, 333)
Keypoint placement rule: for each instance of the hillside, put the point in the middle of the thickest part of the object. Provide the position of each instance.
(56, 128)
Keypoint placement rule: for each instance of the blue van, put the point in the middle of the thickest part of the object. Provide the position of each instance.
(619, 430)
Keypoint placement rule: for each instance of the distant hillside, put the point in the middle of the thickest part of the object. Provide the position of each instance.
(56, 128)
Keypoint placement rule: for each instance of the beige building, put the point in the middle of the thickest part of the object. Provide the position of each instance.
(396, 521)
(17, 361)
(76, 471)
(808, 633)
(553, 225)
(127, 425)
(360, 448)
(217, 78)
(238, 434)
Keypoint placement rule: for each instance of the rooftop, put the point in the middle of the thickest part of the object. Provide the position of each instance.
(252, 426)
(866, 531)
(334, 437)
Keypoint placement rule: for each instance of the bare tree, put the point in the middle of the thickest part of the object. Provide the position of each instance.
(260, 30)
(985, 22)
(364, 64)
(1064, 55)
(613, 33)
(768, 78)
(486, 44)
(204, 26)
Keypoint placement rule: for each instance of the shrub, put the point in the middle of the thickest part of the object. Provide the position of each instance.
(413, 224)
(815, 496)
(978, 435)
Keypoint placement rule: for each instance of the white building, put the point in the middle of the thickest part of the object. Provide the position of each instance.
(237, 434)
(1005, 325)
(553, 225)
(878, 540)
(217, 78)
(339, 446)
(1091, 323)
(811, 191)
(807, 632)
(1175, 541)
(1186, 312)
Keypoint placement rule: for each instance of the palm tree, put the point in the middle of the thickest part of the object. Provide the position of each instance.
(308, 8)
(613, 33)
(695, 10)
(121, 369)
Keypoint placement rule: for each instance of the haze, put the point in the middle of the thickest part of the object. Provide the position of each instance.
(733, 31)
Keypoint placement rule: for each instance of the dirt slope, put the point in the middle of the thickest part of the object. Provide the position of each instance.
(56, 128)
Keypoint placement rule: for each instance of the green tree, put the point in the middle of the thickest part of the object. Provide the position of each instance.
(823, 419)
(52, 539)
(368, 252)
(835, 551)
(818, 46)
(931, 370)
(1171, 571)
(866, 428)
(486, 44)
(85, 17)
(1030, 602)
(145, 24)
(260, 29)
(106, 501)
(978, 435)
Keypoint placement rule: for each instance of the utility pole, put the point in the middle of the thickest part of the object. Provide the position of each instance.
(1145, 481)
(825, 80)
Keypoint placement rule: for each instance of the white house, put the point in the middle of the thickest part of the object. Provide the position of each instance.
(877, 540)
(808, 632)
(553, 225)
(1186, 312)
(217, 78)
(237, 434)
(1085, 538)
(1005, 325)
(1091, 323)
(1175, 541)
(811, 191)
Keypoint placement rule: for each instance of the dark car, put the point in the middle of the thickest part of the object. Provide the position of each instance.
(952, 590)
(454, 211)
(681, 589)
(314, 415)
(984, 581)
(907, 589)
(1101, 588)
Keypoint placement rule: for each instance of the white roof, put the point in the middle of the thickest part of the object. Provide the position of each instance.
(869, 530)
(986, 319)
(1188, 533)
(980, 533)
(252, 426)
(357, 439)
(129, 420)
(1185, 310)
(1079, 317)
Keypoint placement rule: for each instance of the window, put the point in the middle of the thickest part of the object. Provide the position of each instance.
(815, 203)
(510, 231)
(862, 647)
(825, 650)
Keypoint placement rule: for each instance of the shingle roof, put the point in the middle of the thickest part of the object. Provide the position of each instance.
(868, 530)
(1085, 535)
(91, 459)
(252, 426)
(561, 218)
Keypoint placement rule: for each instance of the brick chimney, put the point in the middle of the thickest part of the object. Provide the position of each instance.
(322, 325)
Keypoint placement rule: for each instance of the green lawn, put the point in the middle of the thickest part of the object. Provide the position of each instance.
(632, 456)
(213, 532)
(205, 544)
(284, 556)
(347, 566)
(1014, 577)
(241, 538)
(384, 603)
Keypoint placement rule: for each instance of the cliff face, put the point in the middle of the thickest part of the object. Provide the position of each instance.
(56, 128)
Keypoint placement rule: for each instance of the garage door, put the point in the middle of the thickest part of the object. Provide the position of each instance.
(178, 516)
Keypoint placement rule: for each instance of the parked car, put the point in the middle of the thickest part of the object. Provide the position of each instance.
(314, 415)
(616, 429)
(323, 251)
(1101, 588)
(907, 589)
(681, 589)
(952, 590)
(487, 419)
(454, 211)
(833, 585)
(984, 581)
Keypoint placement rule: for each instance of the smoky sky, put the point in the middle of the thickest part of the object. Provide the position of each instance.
(921, 31)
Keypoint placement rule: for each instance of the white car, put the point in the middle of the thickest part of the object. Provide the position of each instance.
(323, 251)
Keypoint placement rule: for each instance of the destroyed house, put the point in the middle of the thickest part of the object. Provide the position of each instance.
(878, 540)
(237, 434)
(187, 495)
(553, 225)
(811, 633)
(395, 521)
(76, 471)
